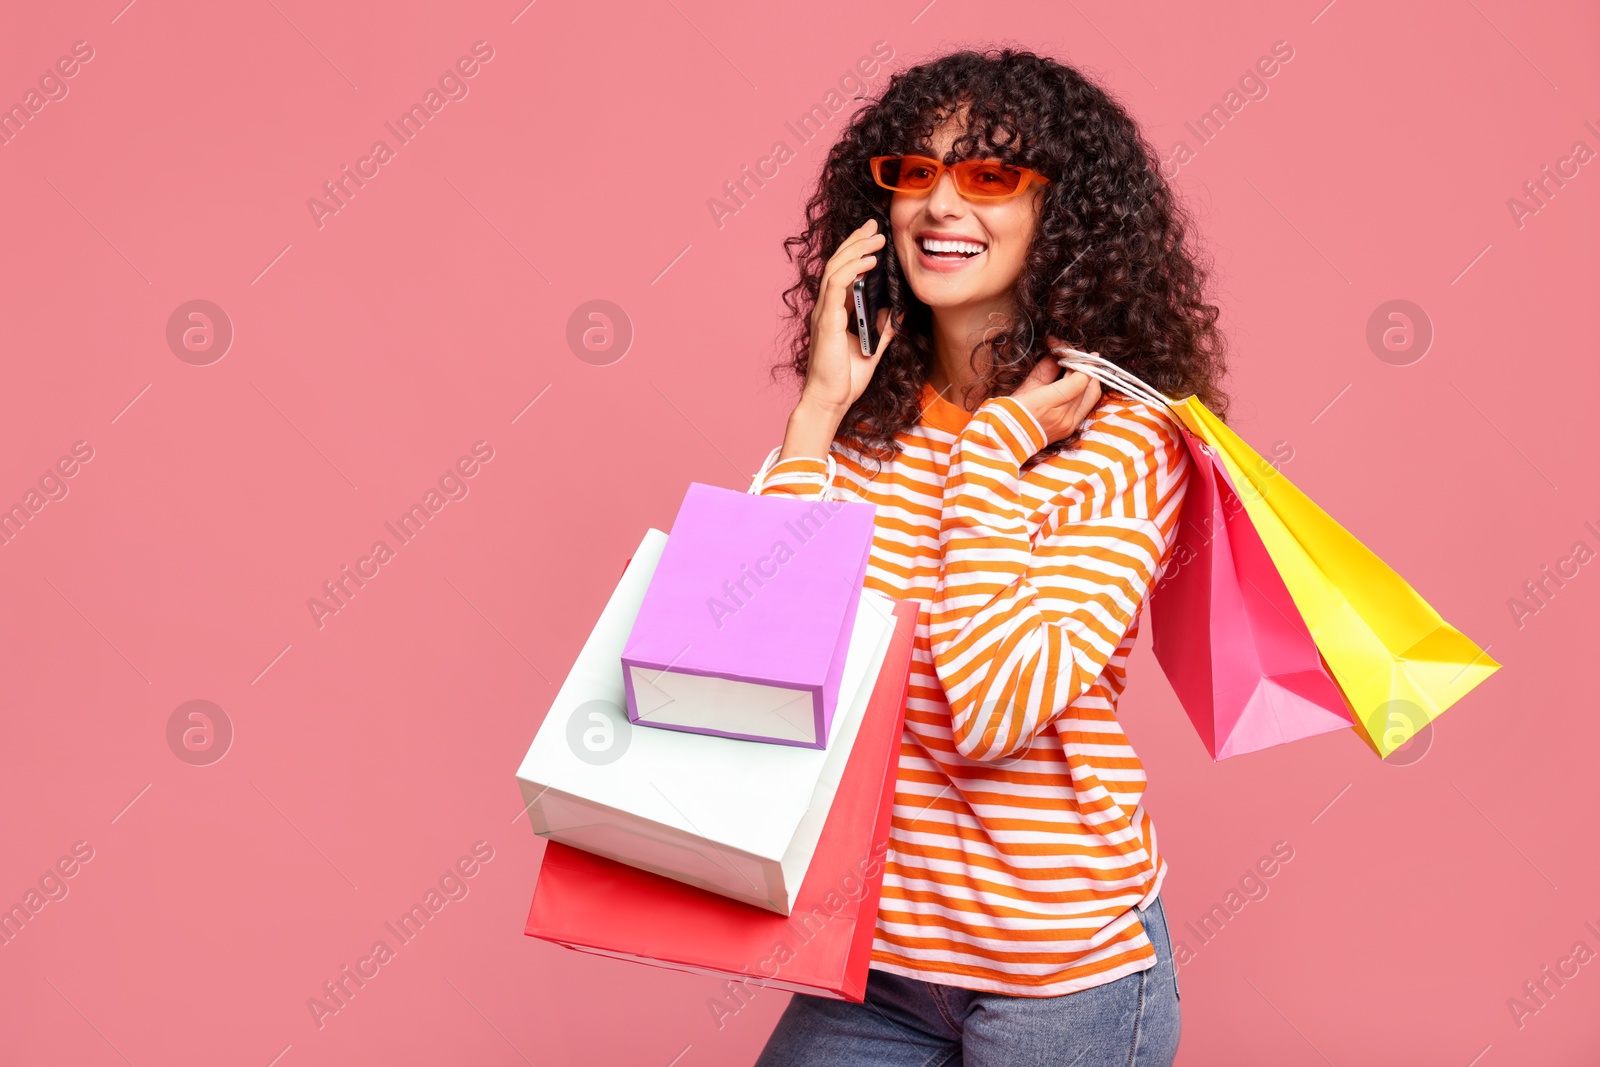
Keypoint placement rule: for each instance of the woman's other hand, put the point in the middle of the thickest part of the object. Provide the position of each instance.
(1060, 402)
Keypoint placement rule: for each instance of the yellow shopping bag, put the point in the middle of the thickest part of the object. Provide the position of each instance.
(1397, 662)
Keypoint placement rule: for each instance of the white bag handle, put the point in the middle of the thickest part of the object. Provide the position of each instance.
(1108, 373)
(756, 483)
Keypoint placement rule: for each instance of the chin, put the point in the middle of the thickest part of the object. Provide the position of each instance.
(949, 296)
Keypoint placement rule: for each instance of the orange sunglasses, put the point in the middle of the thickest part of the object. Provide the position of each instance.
(976, 179)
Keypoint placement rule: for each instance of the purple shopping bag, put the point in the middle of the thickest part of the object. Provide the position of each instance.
(745, 627)
(1227, 633)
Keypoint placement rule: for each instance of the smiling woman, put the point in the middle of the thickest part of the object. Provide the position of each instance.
(1019, 210)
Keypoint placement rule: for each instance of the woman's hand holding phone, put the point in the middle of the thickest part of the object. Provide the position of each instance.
(837, 373)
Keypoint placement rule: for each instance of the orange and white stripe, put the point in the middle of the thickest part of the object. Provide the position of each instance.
(1020, 849)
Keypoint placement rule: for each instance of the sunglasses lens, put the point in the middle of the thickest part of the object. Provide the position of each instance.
(976, 179)
(910, 173)
(985, 179)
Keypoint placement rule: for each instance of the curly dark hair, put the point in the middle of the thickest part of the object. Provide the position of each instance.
(1108, 271)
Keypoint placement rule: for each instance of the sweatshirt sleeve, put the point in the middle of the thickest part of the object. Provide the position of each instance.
(1022, 626)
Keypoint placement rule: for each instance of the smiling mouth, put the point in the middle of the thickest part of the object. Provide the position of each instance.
(936, 248)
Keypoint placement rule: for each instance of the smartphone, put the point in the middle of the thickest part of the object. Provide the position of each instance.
(869, 295)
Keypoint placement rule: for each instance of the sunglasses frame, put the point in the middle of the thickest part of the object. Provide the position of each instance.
(1028, 175)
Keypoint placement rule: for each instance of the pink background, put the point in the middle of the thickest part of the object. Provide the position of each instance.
(428, 313)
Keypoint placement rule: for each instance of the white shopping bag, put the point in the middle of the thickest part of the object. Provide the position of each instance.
(736, 817)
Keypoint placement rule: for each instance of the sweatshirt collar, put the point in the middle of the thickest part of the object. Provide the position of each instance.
(941, 413)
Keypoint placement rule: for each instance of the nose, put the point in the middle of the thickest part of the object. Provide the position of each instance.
(944, 200)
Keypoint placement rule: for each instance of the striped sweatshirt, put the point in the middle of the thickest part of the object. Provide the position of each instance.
(1020, 853)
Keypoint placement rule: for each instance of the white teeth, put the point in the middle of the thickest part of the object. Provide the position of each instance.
(930, 244)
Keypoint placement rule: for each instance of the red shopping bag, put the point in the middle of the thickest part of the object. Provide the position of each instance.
(1226, 632)
(823, 946)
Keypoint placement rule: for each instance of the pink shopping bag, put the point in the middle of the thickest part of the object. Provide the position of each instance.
(1227, 633)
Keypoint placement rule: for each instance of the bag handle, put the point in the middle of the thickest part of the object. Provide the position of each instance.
(758, 482)
(1108, 373)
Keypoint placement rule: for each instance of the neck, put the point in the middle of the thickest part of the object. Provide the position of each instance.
(956, 331)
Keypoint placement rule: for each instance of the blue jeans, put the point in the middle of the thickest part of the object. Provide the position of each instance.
(1132, 1022)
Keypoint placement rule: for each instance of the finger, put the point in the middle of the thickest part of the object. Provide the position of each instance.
(844, 269)
(1043, 373)
(1071, 387)
(868, 227)
(835, 293)
(1091, 397)
(857, 244)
